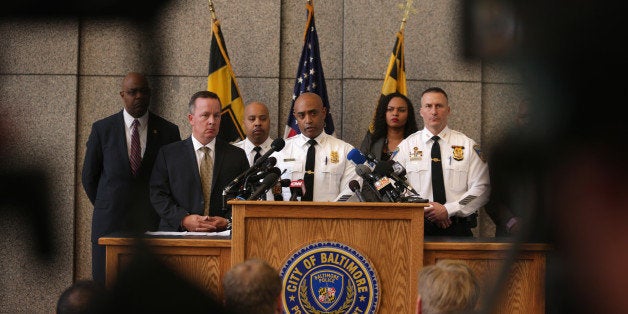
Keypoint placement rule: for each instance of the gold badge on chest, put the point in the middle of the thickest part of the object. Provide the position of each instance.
(458, 152)
(416, 154)
(333, 157)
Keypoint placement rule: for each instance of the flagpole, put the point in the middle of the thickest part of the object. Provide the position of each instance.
(407, 8)
(212, 12)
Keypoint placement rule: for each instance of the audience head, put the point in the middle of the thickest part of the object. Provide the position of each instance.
(449, 286)
(434, 109)
(135, 94)
(394, 110)
(252, 286)
(310, 114)
(256, 122)
(204, 116)
(84, 297)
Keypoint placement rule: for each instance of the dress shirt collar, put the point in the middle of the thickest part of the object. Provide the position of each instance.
(128, 119)
(248, 146)
(444, 134)
(198, 145)
(320, 139)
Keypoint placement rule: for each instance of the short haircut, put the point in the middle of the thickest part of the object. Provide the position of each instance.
(435, 90)
(84, 297)
(252, 286)
(449, 286)
(201, 94)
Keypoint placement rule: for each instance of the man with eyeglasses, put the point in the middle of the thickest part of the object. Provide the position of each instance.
(121, 151)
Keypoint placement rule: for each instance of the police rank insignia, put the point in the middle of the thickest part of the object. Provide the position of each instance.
(416, 154)
(329, 277)
(333, 157)
(478, 151)
(458, 152)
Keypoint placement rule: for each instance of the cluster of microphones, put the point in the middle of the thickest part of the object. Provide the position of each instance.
(384, 181)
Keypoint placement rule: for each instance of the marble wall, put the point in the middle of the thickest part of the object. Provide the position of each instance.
(59, 75)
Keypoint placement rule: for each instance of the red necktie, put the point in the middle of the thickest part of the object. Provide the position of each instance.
(136, 149)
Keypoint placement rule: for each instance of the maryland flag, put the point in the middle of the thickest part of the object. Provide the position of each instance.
(310, 76)
(395, 80)
(222, 81)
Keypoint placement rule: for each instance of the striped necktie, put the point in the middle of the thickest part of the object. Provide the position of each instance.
(207, 169)
(136, 149)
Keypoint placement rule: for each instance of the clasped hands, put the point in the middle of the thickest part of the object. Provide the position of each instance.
(437, 214)
(198, 223)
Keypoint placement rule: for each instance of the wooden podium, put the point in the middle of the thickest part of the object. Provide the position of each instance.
(388, 235)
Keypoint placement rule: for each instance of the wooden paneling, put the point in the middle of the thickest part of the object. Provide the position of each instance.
(523, 290)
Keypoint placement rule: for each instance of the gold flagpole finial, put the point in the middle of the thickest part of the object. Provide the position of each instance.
(408, 8)
(212, 12)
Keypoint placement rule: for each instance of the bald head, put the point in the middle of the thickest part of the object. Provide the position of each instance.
(310, 114)
(135, 93)
(256, 122)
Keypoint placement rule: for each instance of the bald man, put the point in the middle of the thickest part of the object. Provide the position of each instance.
(257, 128)
(332, 170)
(118, 189)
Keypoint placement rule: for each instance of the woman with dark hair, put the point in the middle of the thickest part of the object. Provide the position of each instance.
(394, 120)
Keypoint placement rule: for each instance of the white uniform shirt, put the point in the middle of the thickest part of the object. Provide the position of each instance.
(248, 146)
(332, 170)
(464, 171)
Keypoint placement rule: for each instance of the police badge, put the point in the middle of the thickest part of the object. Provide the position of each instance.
(333, 157)
(458, 152)
(416, 154)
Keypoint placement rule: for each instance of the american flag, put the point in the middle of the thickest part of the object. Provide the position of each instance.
(310, 77)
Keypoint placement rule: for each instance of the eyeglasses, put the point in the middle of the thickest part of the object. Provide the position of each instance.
(134, 91)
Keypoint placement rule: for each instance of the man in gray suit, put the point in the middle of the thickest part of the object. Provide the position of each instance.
(115, 182)
(184, 201)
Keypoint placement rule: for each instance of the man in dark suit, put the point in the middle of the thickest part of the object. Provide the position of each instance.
(115, 181)
(189, 176)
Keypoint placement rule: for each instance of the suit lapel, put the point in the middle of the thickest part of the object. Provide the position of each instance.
(152, 135)
(218, 160)
(119, 129)
(190, 155)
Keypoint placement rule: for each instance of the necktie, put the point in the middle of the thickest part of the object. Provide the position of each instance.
(438, 184)
(136, 149)
(207, 169)
(257, 154)
(308, 178)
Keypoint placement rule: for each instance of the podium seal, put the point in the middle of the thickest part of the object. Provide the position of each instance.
(329, 277)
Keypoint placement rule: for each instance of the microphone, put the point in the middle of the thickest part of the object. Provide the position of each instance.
(365, 172)
(283, 183)
(358, 158)
(297, 189)
(381, 183)
(277, 145)
(269, 180)
(387, 168)
(262, 174)
(354, 185)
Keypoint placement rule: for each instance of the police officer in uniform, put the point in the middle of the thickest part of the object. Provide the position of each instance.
(463, 185)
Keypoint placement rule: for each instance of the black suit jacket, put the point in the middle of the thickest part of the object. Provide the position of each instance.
(121, 201)
(175, 185)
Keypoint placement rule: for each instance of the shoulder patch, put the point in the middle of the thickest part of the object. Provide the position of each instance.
(478, 151)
